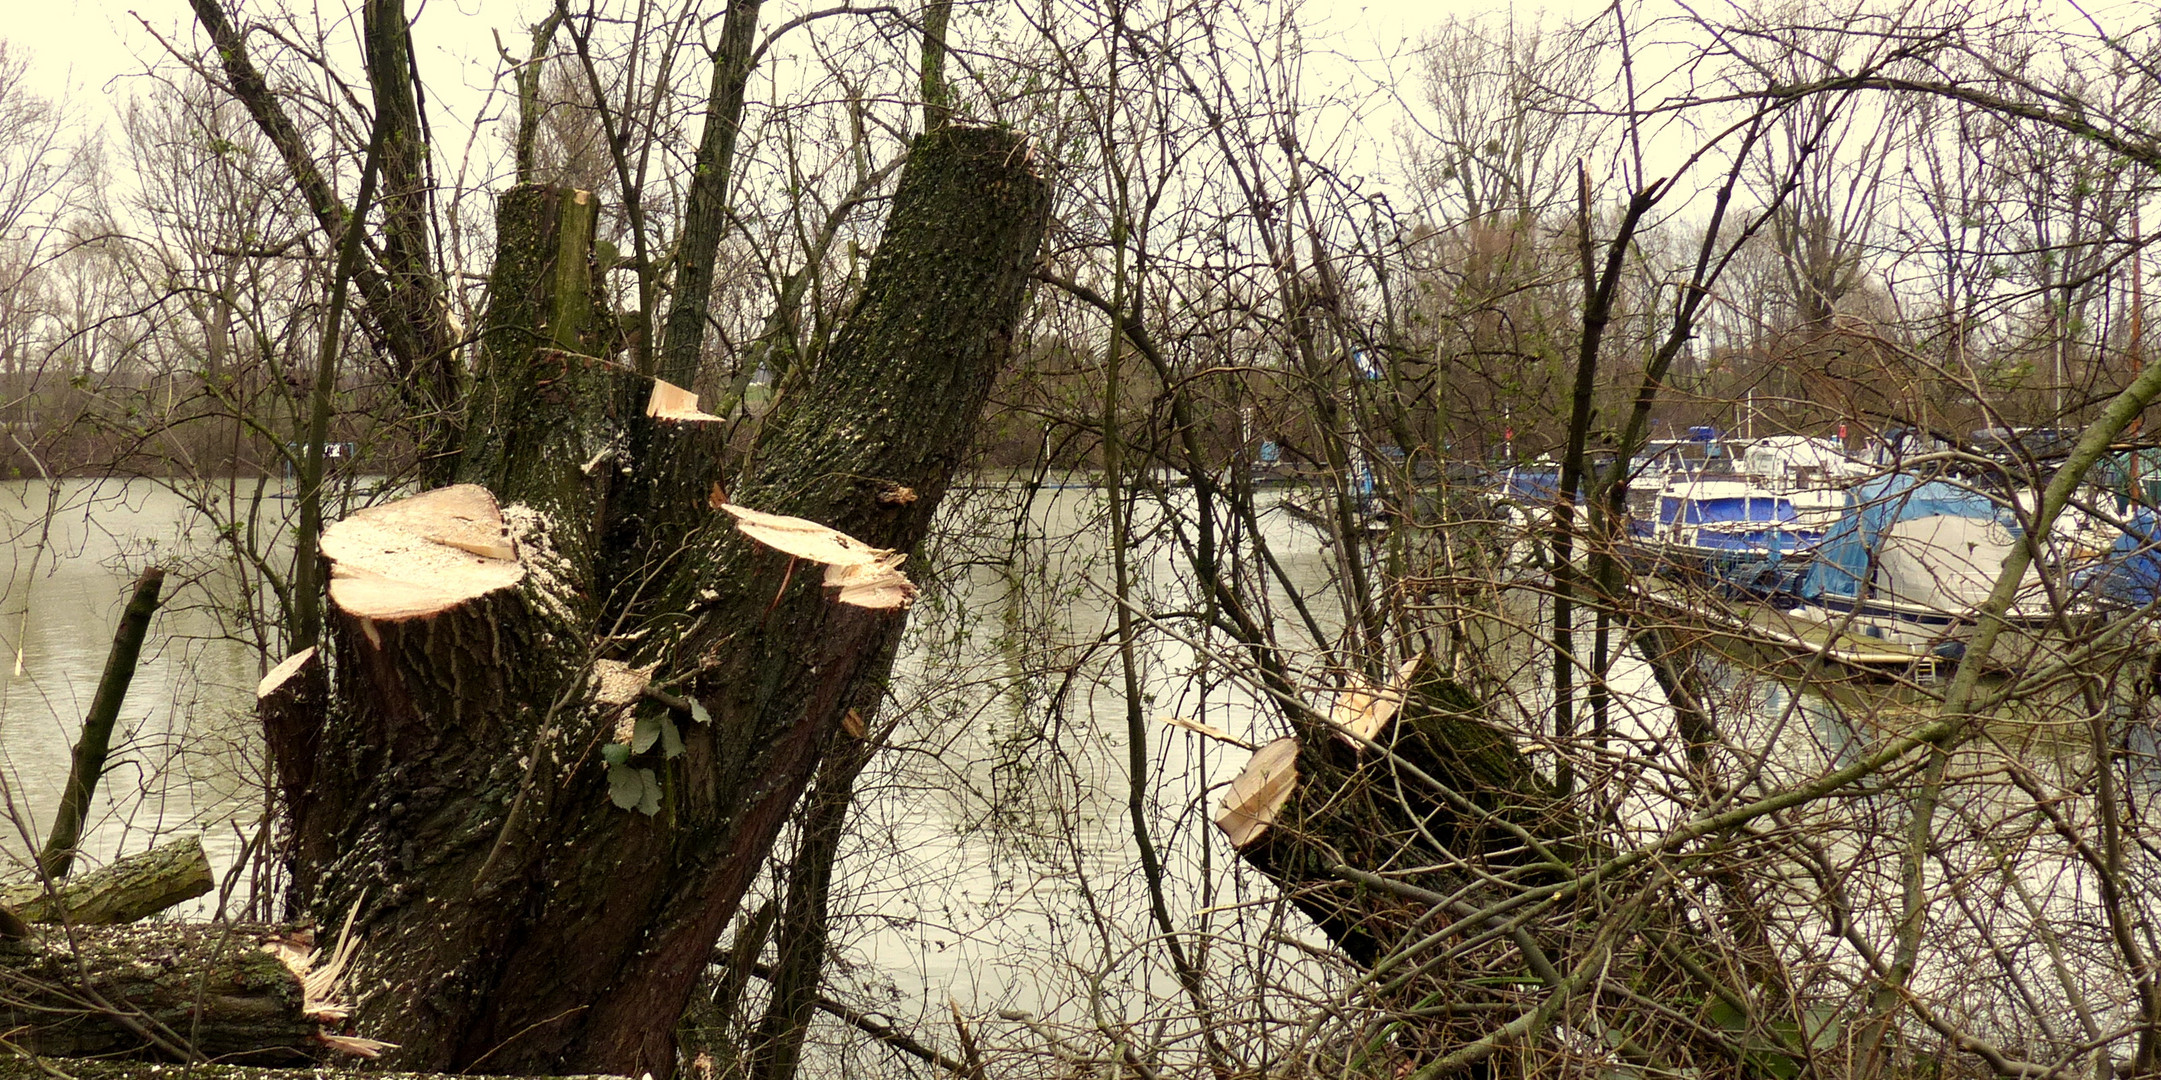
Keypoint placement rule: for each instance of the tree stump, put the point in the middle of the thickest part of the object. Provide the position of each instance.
(461, 784)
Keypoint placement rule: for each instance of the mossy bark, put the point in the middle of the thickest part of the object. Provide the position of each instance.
(125, 890)
(1442, 811)
(155, 990)
(705, 211)
(512, 918)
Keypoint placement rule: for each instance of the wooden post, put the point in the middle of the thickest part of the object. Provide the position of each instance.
(59, 853)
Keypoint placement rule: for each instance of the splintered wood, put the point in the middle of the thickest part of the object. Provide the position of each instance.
(1258, 795)
(421, 556)
(285, 670)
(867, 577)
(1209, 730)
(1362, 710)
(672, 402)
(323, 998)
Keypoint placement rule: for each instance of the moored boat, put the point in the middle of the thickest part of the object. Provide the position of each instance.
(1911, 560)
(1731, 532)
(1896, 584)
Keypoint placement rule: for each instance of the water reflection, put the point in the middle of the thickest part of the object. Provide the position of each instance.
(991, 858)
(185, 757)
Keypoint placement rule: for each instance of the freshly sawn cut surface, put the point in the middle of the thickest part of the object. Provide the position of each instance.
(867, 577)
(420, 556)
(1259, 793)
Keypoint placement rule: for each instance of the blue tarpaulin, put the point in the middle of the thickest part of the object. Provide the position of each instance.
(1841, 567)
(1773, 517)
(1531, 485)
(1690, 510)
(2131, 572)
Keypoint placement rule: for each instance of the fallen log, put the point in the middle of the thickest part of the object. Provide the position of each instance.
(227, 992)
(123, 891)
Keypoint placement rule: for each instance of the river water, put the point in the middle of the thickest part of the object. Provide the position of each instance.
(185, 757)
(990, 860)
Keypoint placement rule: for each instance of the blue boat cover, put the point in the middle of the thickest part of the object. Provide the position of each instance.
(2131, 572)
(1841, 567)
(1531, 485)
(1766, 508)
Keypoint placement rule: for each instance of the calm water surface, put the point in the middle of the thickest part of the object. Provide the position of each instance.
(990, 858)
(184, 757)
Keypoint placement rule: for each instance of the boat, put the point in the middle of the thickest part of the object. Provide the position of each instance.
(1733, 534)
(2126, 490)
(2129, 575)
(1813, 473)
(1796, 462)
(1911, 560)
(1894, 586)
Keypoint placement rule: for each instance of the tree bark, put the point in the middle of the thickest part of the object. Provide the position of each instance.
(58, 855)
(705, 213)
(515, 920)
(430, 379)
(163, 990)
(1358, 808)
(937, 93)
(128, 889)
(527, 82)
(291, 702)
(776, 1046)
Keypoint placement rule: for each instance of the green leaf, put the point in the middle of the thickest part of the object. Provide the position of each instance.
(1770, 1063)
(698, 713)
(645, 734)
(1825, 1021)
(649, 799)
(615, 753)
(671, 740)
(1726, 1016)
(626, 789)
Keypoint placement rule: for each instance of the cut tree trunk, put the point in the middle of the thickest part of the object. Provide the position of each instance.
(161, 990)
(123, 891)
(1435, 818)
(462, 793)
(1345, 806)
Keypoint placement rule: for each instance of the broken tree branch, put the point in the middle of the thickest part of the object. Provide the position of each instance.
(59, 853)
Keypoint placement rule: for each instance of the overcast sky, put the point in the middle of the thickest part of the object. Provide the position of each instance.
(84, 50)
